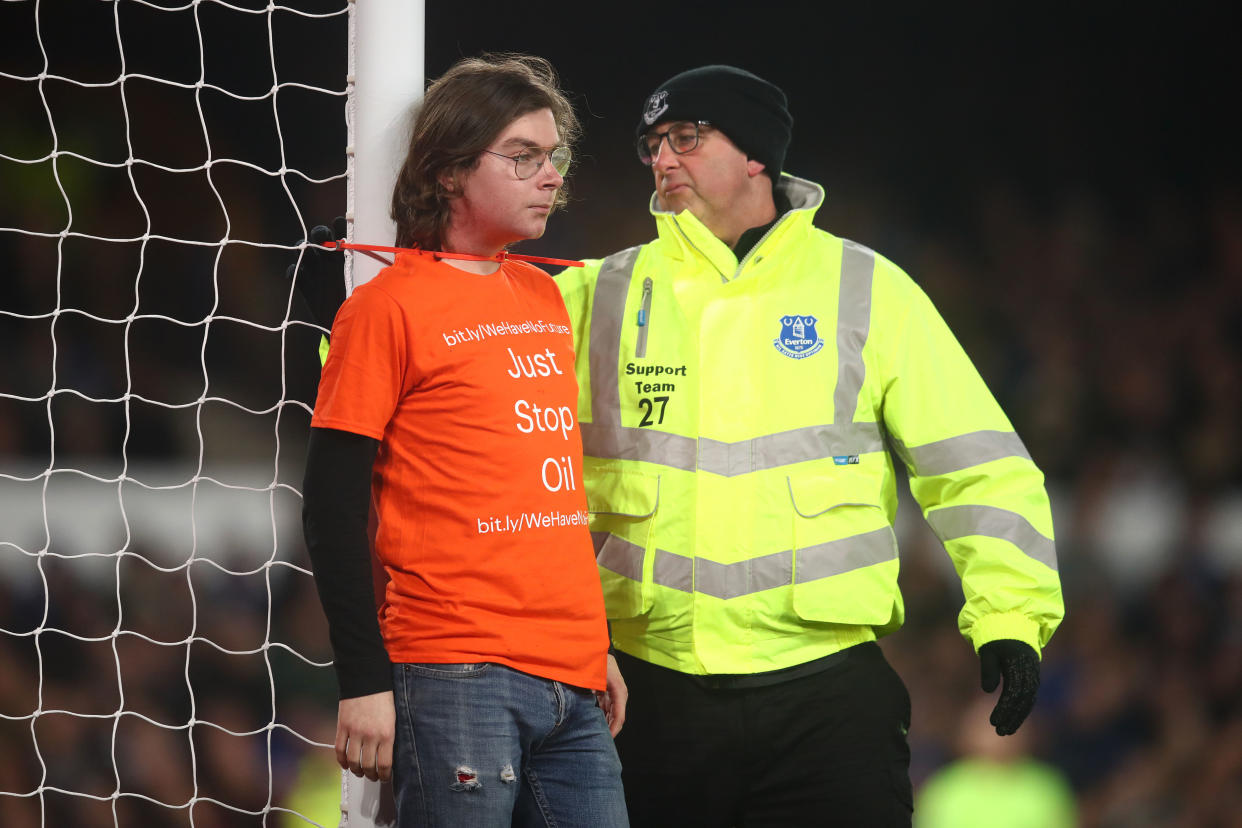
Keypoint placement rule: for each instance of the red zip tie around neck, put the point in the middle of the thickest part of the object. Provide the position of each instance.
(499, 257)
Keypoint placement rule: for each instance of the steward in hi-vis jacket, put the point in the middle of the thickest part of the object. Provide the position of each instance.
(742, 380)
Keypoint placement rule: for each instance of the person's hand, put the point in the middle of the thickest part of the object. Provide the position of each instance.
(612, 700)
(365, 729)
(318, 274)
(1019, 665)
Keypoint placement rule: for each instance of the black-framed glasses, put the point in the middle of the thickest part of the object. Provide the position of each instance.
(682, 137)
(527, 162)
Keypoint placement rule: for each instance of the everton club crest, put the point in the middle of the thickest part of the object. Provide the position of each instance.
(798, 338)
(657, 104)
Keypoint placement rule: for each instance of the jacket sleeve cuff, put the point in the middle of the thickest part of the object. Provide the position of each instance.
(1000, 625)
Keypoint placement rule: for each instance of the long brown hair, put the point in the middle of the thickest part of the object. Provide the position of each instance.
(461, 114)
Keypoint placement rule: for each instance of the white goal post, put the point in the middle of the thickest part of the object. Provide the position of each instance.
(163, 657)
(386, 72)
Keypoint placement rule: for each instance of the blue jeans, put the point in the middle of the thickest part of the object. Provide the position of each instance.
(485, 745)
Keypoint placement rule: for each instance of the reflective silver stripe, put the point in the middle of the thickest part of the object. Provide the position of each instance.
(615, 442)
(955, 522)
(735, 580)
(845, 555)
(729, 459)
(676, 571)
(626, 559)
(612, 285)
(620, 556)
(961, 452)
(853, 325)
(786, 447)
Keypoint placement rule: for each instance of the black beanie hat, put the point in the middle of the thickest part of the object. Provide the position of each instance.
(745, 107)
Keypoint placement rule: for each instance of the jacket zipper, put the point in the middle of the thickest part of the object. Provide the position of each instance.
(750, 253)
(644, 320)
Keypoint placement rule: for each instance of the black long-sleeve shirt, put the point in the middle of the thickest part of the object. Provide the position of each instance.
(336, 494)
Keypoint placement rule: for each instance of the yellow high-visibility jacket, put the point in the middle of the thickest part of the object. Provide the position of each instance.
(736, 419)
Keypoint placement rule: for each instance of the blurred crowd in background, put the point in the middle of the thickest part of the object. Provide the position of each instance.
(1107, 320)
(1112, 335)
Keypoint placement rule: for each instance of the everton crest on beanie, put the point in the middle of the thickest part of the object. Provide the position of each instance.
(745, 107)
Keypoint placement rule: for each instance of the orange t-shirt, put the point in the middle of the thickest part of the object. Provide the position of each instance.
(468, 383)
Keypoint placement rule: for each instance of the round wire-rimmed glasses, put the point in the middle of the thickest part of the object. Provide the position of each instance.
(528, 161)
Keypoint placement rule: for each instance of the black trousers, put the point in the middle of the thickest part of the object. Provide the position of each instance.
(827, 749)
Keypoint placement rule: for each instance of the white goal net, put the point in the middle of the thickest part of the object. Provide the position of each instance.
(163, 657)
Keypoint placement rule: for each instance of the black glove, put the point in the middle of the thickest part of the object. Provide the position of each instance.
(1019, 664)
(318, 276)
